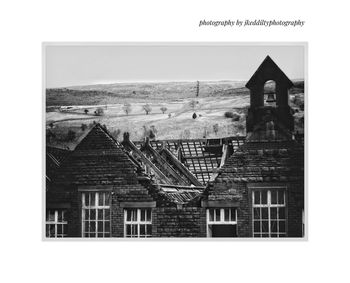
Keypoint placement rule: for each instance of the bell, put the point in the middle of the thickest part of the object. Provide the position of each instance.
(270, 98)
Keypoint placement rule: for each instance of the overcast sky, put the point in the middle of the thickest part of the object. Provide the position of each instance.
(84, 65)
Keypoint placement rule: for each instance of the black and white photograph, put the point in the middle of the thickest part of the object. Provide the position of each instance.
(175, 140)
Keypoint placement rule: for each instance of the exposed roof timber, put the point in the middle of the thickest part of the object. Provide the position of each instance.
(165, 164)
(146, 161)
(181, 167)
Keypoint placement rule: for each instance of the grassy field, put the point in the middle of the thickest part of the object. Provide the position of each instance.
(176, 122)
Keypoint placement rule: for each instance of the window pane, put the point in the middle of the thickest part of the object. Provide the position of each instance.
(227, 214)
(100, 235)
(281, 197)
(92, 226)
(100, 198)
(257, 213)
(217, 214)
(264, 213)
(143, 215)
(211, 214)
(92, 214)
(149, 216)
(142, 230)
(50, 215)
(86, 226)
(128, 230)
(134, 215)
(273, 235)
(107, 199)
(107, 214)
(92, 199)
(47, 230)
(107, 226)
(273, 212)
(264, 197)
(257, 197)
(265, 226)
(59, 229)
(134, 230)
(274, 226)
(256, 226)
(52, 230)
(273, 196)
(100, 214)
(86, 199)
(87, 214)
(100, 226)
(281, 213)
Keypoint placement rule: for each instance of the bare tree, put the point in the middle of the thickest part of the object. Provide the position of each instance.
(216, 128)
(86, 111)
(147, 108)
(163, 109)
(99, 111)
(127, 108)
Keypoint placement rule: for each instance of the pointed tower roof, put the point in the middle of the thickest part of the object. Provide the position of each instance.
(268, 70)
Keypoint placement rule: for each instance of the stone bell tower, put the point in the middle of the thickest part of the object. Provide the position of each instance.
(262, 113)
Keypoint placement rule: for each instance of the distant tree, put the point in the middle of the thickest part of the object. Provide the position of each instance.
(169, 115)
(71, 135)
(99, 111)
(133, 92)
(163, 109)
(186, 134)
(86, 111)
(193, 103)
(216, 128)
(83, 127)
(127, 108)
(51, 125)
(194, 116)
(147, 108)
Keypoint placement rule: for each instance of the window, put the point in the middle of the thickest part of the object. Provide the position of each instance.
(96, 214)
(269, 213)
(138, 223)
(221, 222)
(56, 224)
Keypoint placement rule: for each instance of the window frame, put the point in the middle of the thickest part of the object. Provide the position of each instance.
(96, 207)
(222, 218)
(138, 222)
(56, 222)
(269, 205)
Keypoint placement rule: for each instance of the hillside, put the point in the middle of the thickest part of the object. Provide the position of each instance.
(82, 103)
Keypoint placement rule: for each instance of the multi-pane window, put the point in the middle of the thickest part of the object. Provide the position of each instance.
(138, 223)
(222, 222)
(56, 223)
(96, 214)
(269, 213)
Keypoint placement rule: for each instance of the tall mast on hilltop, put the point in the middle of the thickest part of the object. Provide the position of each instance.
(197, 92)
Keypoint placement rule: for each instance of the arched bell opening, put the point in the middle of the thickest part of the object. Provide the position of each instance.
(270, 93)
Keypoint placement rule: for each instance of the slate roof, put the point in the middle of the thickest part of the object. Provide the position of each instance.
(97, 160)
(270, 161)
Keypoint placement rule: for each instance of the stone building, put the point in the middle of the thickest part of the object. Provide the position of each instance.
(230, 187)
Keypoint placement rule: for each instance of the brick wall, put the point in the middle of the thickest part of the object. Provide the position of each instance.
(173, 222)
